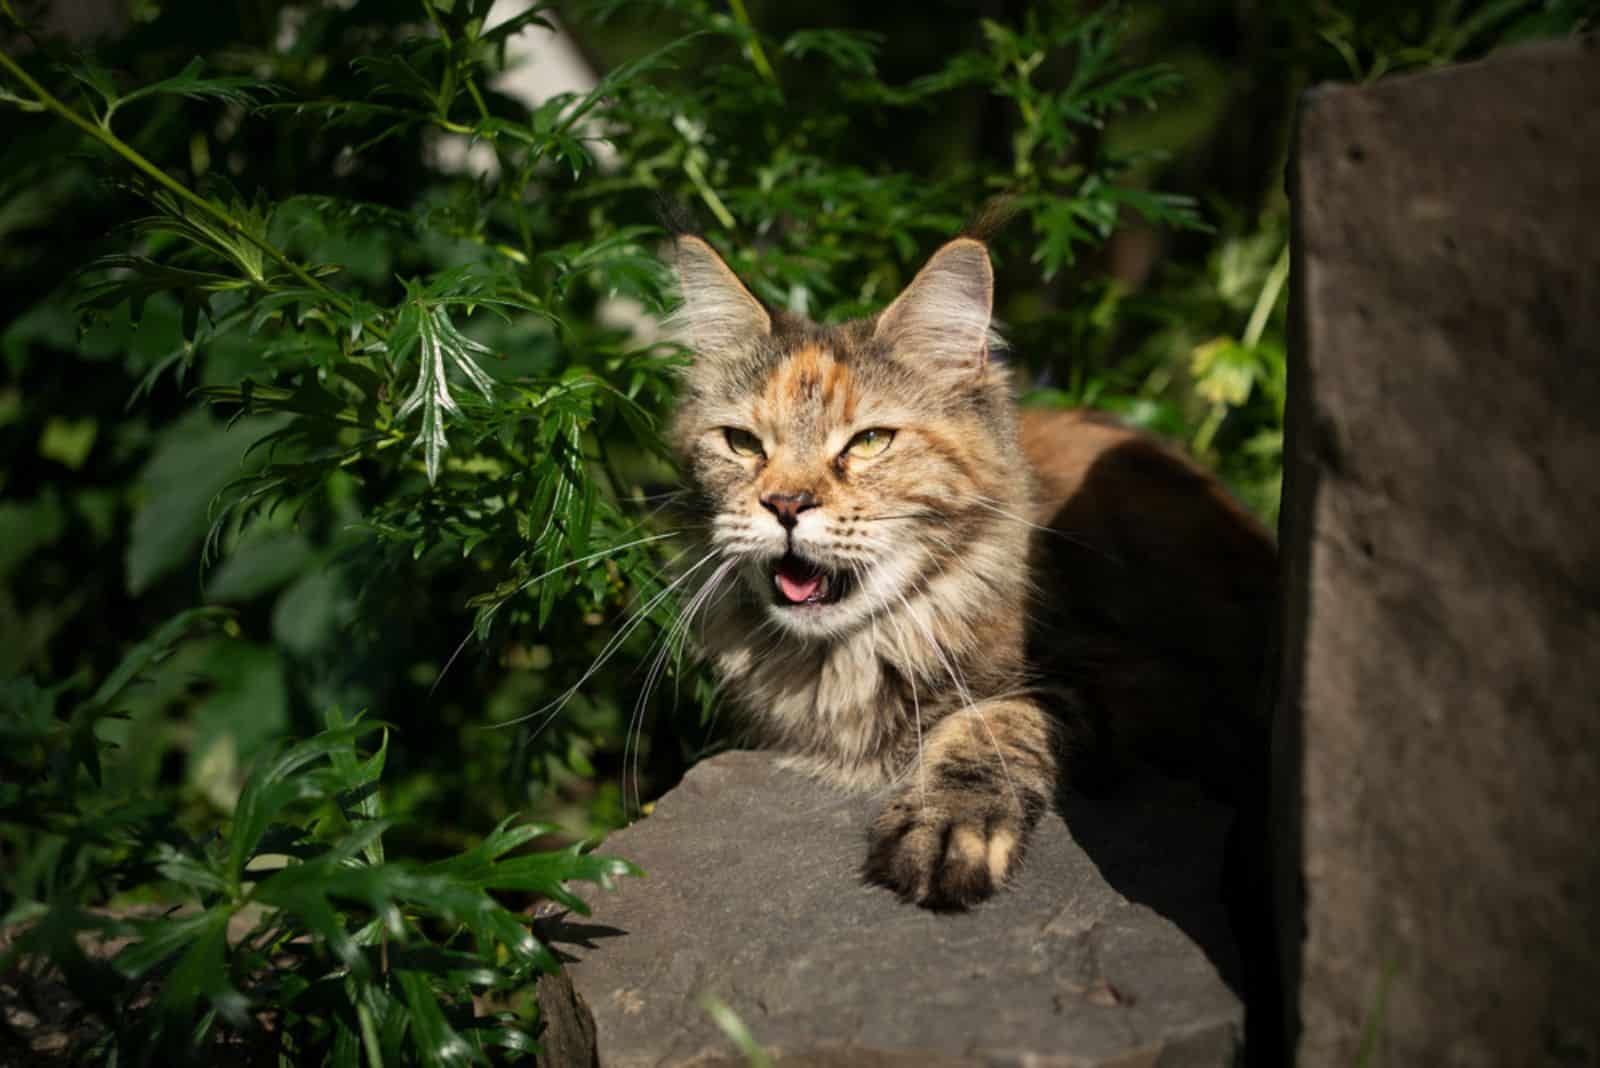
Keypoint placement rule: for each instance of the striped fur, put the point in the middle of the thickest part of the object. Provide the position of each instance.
(934, 676)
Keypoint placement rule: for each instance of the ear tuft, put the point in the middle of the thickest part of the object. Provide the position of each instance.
(943, 315)
(719, 316)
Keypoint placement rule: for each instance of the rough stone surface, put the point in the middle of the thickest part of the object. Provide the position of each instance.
(1440, 736)
(1105, 951)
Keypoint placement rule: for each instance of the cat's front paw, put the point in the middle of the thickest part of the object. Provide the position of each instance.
(945, 849)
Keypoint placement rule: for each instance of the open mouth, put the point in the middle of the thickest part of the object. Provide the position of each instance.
(798, 581)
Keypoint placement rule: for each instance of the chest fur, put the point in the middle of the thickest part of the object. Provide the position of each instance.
(853, 710)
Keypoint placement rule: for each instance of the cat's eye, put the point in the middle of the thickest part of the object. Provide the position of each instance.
(869, 443)
(742, 442)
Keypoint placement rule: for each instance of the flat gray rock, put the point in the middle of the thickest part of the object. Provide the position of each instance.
(1440, 733)
(1107, 949)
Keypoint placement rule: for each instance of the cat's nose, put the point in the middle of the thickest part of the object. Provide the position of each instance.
(788, 506)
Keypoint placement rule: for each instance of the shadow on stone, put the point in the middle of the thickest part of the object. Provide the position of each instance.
(556, 930)
(1161, 845)
(1159, 596)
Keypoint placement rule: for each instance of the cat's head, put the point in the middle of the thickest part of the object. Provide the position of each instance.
(847, 467)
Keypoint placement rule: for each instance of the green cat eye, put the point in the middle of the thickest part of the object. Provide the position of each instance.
(742, 442)
(869, 443)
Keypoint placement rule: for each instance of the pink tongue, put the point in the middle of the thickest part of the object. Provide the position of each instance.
(798, 589)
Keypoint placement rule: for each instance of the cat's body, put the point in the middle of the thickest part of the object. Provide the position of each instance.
(910, 586)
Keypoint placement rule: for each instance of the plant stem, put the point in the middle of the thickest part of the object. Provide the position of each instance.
(1267, 300)
(758, 56)
(110, 140)
(691, 167)
(477, 97)
(447, 89)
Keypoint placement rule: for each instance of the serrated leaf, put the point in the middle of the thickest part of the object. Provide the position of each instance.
(438, 341)
(190, 83)
(432, 1036)
(852, 51)
(537, 15)
(270, 788)
(201, 972)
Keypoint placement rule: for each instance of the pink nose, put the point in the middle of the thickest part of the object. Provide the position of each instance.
(788, 506)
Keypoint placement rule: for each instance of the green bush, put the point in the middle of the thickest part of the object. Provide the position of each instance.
(275, 353)
(286, 930)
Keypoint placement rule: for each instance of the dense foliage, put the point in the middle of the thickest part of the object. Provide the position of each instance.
(289, 935)
(318, 326)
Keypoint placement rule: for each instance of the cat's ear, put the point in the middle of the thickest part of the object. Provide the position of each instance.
(719, 316)
(943, 315)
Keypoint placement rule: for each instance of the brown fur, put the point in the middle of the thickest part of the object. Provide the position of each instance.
(1017, 590)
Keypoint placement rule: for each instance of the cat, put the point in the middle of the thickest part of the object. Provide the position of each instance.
(912, 586)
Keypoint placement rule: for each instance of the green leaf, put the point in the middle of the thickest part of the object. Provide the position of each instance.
(295, 889)
(241, 92)
(852, 51)
(271, 788)
(155, 941)
(432, 1036)
(357, 772)
(437, 340)
(202, 972)
(26, 527)
(1224, 372)
(730, 1024)
(93, 76)
(193, 461)
(261, 565)
(537, 15)
(247, 708)
(313, 612)
(68, 441)
(149, 651)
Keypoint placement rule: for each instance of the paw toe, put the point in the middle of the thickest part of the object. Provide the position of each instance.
(961, 876)
(937, 861)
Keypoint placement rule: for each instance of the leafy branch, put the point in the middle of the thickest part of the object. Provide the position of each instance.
(100, 132)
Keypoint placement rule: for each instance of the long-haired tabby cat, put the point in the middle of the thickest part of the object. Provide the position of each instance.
(922, 590)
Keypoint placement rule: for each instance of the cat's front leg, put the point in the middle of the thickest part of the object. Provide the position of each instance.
(959, 825)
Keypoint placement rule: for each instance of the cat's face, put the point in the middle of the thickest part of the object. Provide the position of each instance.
(842, 465)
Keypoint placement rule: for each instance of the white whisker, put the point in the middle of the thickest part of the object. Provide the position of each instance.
(992, 505)
(539, 578)
(678, 627)
(608, 650)
(965, 695)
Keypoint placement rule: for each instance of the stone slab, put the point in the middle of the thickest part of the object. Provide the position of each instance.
(1105, 951)
(1439, 742)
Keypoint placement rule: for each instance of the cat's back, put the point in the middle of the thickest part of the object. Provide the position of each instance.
(1099, 479)
(1152, 583)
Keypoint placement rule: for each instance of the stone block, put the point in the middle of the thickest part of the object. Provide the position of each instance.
(1109, 948)
(1437, 771)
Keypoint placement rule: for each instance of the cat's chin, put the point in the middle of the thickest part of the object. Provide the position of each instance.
(818, 620)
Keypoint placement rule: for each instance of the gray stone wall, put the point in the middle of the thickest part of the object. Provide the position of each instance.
(1437, 782)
